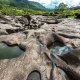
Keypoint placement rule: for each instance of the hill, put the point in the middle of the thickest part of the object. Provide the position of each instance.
(23, 4)
(35, 5)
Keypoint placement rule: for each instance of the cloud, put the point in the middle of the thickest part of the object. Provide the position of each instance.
(70, 2)
(43, 1)
(75, 2)
(46, 3)
(52, 3)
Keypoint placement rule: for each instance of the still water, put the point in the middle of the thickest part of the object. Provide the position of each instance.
(60, 50)
(7, 52)
(35, 75)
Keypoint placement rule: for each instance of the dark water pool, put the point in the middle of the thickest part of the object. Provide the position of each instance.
(60, 50)
(34, 75)
(7, 52)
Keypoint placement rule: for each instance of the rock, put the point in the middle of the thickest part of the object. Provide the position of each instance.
(52, 22)
(58, 74)
(72, 72)
(28, 17)
(33, 35)
(20, 68)
(2, 18)
(77, 15)
(74, 56)
(23, 21)
(29, 23)
(69, 36)
(10, 31)
(3, 32)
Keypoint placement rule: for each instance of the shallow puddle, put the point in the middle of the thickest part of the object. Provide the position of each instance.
(35, 75)
(7, 52)
(60, 50)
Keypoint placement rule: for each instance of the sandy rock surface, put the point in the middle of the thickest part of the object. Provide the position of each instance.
(35, 35)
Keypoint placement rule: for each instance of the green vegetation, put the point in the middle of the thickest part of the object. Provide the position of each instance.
(9, 10)
(64, 11)
(35, 5)
(21, 7)
(23, 4)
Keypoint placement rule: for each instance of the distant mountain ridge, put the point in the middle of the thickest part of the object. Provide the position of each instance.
(23, 4)
(35, 5)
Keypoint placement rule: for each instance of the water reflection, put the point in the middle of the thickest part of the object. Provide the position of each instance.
(7, 52)
(60, 50)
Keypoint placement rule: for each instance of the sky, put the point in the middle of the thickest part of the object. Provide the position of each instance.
(52, 3)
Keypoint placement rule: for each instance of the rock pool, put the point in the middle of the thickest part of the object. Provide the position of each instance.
(7, 52)
(60, 50)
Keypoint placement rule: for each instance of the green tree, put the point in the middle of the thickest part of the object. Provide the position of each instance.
(60, 8)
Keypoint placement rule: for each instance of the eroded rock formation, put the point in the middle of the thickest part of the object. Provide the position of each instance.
(35, 36)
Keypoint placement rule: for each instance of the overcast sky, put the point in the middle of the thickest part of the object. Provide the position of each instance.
(51, 3)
